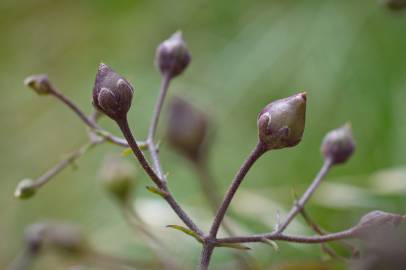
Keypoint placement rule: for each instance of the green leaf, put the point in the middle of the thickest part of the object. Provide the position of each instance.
(126, 152)
(186, 231)
(234, 245)
(156, 190)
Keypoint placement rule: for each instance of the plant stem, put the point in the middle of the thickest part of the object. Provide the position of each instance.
(88, 121)
(205, 257)
(43, 179)
(298, 206)
(154, 124)
(123, 125)
(258, 151)
(350, 233)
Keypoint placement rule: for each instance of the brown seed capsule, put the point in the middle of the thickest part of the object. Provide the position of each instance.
(338, 145)
(39, 83)
(112, 94)
(281, 123)
(172, 55)
(187, 129)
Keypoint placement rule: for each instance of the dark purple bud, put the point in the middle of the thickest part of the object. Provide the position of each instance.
(34, 237)
(118, 177)
(281, 123)
(112, 94)
(395, 4)
(187, 129)
(338, 145)
(39, 83)
(172, 55)
(377, 221)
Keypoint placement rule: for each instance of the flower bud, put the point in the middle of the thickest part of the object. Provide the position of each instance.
(62, 237)
(25, 189)
(112, 94)
(187, 129)
(39, 83)
(377, 221)
(338, 145)
(172, 55)
(281, 123)
(118, 176)
(66, 238)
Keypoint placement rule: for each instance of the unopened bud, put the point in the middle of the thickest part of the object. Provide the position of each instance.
(66, 238)
(377, 221)
(118, 177)
(39, 83)
(338, 145)
(172, 55)
(395, 4)
(187, 129)
(25, 189)
(281, 123)
(62, 237)
(112, 94)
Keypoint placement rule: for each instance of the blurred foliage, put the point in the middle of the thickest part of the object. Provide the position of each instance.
(348, 55)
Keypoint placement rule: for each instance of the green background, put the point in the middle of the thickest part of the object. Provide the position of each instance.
(348, 55)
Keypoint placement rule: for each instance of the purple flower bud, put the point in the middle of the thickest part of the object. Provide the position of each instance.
(377, 221)
(281, 123)
(39, 83)
(118, 177)
(338, 144)
(172, 55)
(187, 129)
(112, 94)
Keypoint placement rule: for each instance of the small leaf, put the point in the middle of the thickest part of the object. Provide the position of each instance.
(156, 190)
(273, 244)
(234, 245)
(186, 231)
(126, 152)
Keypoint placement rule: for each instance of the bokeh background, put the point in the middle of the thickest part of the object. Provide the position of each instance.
(348, 55)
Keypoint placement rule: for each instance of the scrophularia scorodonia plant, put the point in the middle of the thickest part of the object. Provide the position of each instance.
(281, 124)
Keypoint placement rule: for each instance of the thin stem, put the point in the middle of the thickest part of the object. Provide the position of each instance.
(89, 121)
(350, 233)
(125, 129)
(123, 124)
(258, 151)
(166, 79)
(207, 252)
(47, 176)
(154, 124)
(306, 196)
